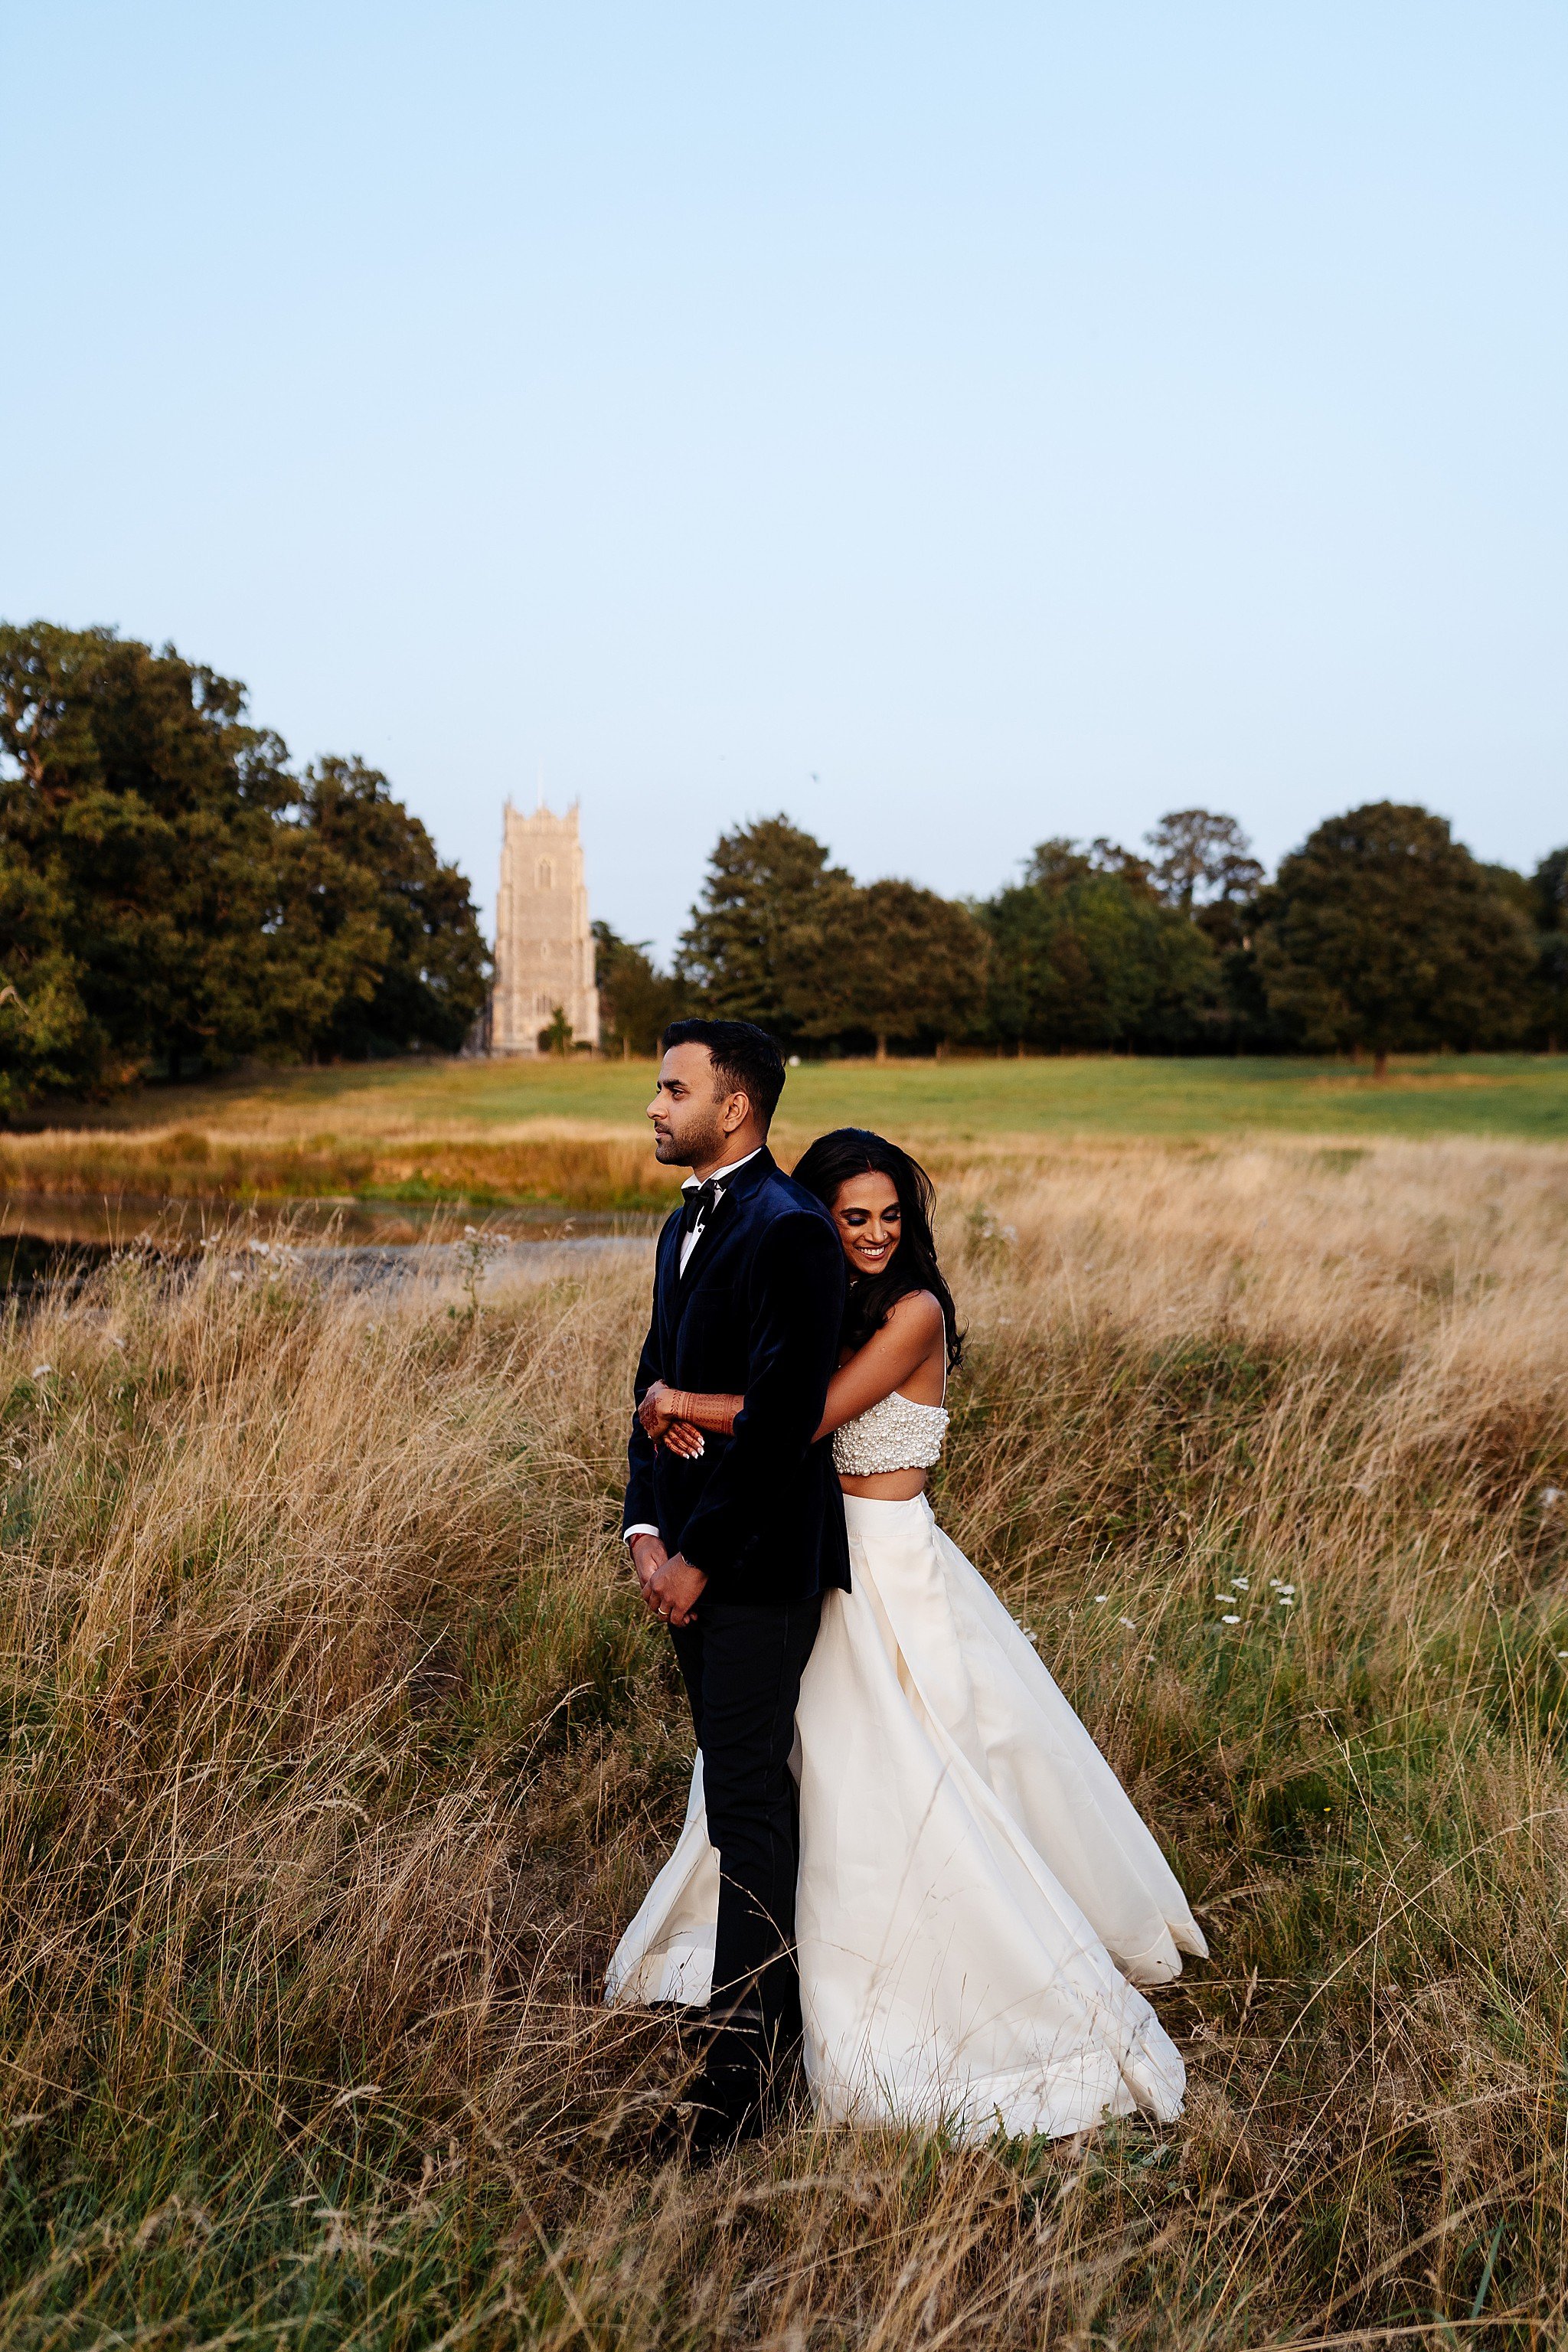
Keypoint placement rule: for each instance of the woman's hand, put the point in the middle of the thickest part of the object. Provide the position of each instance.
(658, 1418)
(676, 1418)
(653, 1412)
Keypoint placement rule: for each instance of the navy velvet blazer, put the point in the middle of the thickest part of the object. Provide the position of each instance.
(758, 1314)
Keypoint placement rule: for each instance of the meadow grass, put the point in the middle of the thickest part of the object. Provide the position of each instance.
(338, 1751)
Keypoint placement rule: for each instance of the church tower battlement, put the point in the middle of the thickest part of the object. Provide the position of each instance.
(544, 948)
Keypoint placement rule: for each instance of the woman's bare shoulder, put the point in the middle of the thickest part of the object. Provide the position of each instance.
(917, 1315)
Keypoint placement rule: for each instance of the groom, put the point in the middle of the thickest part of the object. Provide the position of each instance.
(734, 1549)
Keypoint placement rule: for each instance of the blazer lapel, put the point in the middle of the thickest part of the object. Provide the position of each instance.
(667, 1285)
(715, 1226)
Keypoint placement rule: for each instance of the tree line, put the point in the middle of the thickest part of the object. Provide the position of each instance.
(175, 896)
(1380, 934)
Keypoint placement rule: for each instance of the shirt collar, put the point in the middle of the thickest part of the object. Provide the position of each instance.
(719, 1175)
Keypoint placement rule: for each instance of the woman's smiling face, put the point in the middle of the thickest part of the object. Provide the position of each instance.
(866, 1211)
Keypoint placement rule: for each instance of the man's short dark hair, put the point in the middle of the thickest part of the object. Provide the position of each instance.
(746, 1061)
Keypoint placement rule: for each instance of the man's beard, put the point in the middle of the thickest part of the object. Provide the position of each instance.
(686, 1150)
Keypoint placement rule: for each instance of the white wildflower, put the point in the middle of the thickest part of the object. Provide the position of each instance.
(1242, 1580)
(1230, 1620)
(1550, 1495)
(259, 1249)
(236, 1276)
(1288, 1591)
(42, 1371)
(1128, 1622)
(1225, 1596)
(1100, 1597)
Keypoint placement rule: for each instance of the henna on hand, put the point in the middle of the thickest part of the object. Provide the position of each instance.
(653, 1412)
(717, 1413)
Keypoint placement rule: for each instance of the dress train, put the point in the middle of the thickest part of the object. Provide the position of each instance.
(978, 1897)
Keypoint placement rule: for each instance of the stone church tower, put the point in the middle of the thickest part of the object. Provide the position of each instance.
(544, 950)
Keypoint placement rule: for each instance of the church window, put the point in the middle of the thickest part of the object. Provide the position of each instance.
(546, 875)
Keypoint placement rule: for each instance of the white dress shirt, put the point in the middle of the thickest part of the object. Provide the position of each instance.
(688, 1241)
(687, 1244)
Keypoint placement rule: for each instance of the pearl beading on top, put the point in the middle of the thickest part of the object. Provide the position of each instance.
(896, 1435)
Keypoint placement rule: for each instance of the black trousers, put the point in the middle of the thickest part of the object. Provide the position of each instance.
(743, 1668)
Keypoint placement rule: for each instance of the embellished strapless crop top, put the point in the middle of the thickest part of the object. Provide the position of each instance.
(896, 1435)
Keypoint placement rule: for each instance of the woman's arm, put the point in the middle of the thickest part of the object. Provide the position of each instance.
(662, 1406)
(908, 1337)
(795, 1302)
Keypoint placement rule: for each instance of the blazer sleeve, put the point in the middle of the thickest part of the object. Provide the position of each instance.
(797, 1307)
(641, 1505)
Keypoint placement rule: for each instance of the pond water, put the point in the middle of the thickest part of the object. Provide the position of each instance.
(47, 1236)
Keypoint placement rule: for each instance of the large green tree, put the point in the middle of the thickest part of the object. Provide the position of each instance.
(48, 1041)
(1549, 916)
(1085, 956)
(140, 807)
(394, 932)
(784, 938)
(766, 940)
(1202, 866)
(911, 965)
(1382, 933)
(637, 1000)
(172, 894)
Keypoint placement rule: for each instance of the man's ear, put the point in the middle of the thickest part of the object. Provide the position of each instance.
(737, 1110)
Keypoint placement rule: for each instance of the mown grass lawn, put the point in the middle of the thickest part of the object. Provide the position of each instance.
(959, 1100)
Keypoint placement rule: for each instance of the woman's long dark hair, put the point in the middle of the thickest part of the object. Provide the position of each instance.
(850, 1152)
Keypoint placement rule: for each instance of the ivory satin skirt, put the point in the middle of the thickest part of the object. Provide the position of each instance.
(978, 1899)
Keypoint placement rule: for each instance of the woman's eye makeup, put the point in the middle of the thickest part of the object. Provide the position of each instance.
(855, 1218)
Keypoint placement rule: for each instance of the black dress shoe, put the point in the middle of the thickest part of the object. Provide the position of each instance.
(719, 2112)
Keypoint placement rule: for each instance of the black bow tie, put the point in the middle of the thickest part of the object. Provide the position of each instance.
(699, 1204)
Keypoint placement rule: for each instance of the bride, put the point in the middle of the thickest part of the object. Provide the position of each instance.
(978, 1898)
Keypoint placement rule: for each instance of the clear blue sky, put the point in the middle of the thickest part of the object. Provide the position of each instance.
(951, 424)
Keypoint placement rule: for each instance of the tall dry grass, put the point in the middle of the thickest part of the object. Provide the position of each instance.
(338, 1752)
(583, 1170)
